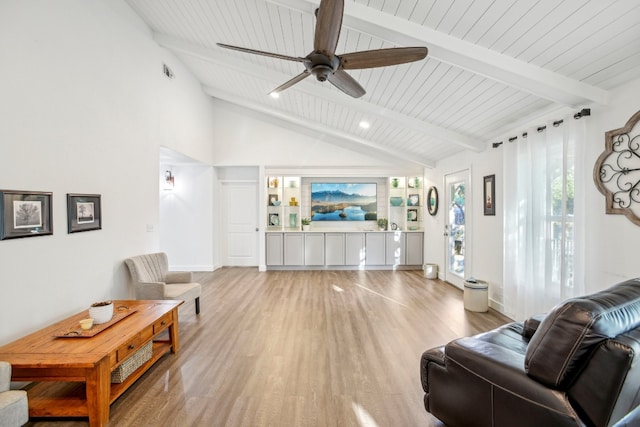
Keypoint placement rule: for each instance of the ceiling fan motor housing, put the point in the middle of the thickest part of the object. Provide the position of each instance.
(321, 66)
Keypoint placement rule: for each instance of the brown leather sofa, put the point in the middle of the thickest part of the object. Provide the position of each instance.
(577, 366)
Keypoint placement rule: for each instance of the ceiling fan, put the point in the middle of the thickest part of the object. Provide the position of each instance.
(326, 65)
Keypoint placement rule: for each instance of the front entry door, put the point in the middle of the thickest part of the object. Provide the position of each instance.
(456, 227)
(239, 228)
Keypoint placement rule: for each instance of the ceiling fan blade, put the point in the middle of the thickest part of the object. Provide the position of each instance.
(343, 81)
(382, 57)
(328, 26)
(260, 52)
(291, 82)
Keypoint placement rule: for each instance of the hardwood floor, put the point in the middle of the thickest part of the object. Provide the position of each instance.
(300, 348)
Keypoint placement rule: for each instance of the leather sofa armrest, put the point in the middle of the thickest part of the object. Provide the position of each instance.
(435, 355)
(531, 325)
(503, 368)
(179, 277)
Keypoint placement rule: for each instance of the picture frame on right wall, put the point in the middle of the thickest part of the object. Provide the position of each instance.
(489, 199)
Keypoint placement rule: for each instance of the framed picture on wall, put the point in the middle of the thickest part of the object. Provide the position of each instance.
(84, 212)
(25, 214)
(490, 195)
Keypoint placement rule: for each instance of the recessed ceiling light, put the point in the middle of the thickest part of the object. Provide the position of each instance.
(365, 125)
(274, 95)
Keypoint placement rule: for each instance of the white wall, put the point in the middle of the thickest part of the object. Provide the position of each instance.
(187, 217)
(612, 241)
(84, 109)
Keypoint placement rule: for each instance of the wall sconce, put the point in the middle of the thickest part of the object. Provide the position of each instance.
(168, 181)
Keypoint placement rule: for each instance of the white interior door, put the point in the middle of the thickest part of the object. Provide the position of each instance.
(239, 227)
(457, 198)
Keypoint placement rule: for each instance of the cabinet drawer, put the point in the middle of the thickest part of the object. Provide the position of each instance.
(129, 348)
(162, 323)
(146, 334)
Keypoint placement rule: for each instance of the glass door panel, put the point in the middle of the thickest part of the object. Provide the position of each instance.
(456, 186)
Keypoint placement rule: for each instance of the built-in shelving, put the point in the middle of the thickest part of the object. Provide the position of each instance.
(283, 203)
(406, 201)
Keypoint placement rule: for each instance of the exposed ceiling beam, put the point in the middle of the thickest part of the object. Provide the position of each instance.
(443, 47)
(309, 125)
(367, 109)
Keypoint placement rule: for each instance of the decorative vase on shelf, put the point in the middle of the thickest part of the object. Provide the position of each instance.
(396, 201)
(394, 182)
(293, 220)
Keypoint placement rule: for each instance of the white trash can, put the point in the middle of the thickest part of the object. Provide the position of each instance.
(476, 295)
(431, 271)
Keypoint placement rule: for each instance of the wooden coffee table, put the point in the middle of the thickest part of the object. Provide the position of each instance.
(72, 375)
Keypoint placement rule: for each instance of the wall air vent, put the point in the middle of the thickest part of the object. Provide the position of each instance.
(167, 71)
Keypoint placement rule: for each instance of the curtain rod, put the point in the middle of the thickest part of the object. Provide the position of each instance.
(582, 113)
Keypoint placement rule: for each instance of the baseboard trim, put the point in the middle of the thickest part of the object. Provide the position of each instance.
(203, 267)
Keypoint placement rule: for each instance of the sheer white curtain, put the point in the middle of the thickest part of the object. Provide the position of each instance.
(544, 181)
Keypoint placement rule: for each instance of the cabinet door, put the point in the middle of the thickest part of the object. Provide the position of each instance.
(354, 249)
(395, 248)
(415, 248)
(314, 249)
(293, 249)
(334, 248)
(374, 248)
(274, 248)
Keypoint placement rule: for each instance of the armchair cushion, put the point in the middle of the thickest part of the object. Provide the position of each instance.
(14, 409)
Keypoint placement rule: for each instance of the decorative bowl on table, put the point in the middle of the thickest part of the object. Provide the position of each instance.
(86, 324)
(101, 312)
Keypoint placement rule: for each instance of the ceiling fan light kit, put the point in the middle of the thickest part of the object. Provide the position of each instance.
(324, 64)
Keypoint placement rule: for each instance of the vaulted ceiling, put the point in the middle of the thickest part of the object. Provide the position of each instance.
(490, 63)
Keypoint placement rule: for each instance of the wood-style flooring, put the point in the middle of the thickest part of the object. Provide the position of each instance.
(300, 348)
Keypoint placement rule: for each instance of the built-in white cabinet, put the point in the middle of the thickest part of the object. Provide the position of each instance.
(314, 249)
(415, 248)
(348, 249)
(375, 249)
(354, 249)
(395, 248)
(293, 249)
(274, 249)
(334, 248)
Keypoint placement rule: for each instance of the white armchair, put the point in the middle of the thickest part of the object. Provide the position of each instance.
(152, 280)
(14, 408)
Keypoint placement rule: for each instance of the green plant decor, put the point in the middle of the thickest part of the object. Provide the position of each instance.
(305, 221)
(382, 223)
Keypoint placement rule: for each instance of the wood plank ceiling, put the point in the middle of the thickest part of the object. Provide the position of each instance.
(490, 63)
